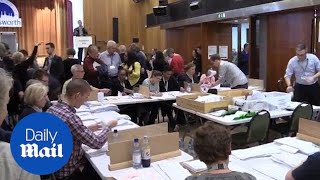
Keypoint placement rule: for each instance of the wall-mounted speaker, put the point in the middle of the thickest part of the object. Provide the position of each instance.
(115, 29)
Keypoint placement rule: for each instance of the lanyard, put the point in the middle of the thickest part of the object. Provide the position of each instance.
(305, 68)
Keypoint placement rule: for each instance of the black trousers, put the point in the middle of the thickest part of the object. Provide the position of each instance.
(243, 86)
(307, 93)
(80, 52)
(166, 110)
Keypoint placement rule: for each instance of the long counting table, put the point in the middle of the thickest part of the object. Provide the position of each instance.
(229, 122)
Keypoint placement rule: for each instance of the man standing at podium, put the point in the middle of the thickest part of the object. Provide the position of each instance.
(80, 31)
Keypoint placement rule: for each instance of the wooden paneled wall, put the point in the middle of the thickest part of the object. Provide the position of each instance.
(285, 31)
(98, 16)
(184, 40)
(218, 34)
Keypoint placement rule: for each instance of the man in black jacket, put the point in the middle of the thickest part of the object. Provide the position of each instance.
(168, 83)
(80, 31)
(53, 64)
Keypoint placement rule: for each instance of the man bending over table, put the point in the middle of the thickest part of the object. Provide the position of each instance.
(77, 92)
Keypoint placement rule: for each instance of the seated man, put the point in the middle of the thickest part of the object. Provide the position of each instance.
(308, 170)
(77, 92)
(121, 84)
(168, 83)
(78, 73)
(153, 84)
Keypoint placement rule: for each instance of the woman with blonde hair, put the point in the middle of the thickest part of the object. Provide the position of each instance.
(9, 169)
(35, 98)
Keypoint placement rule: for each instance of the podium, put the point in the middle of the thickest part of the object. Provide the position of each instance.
(82, 41)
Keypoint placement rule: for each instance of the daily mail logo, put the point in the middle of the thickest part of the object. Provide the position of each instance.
(9, 15)
(41, 143)
(32, 150)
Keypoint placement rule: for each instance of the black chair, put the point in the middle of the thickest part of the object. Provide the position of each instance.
(257, 131)
(290, 128)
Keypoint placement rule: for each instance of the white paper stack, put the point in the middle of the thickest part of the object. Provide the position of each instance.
(303, 146)
(255, 152)
(173, 170)
(292, 160)
(195, 166)
(95, 152)
(103, 108)
(209, 98)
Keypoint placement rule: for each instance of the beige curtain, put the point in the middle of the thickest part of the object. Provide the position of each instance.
(42, 21)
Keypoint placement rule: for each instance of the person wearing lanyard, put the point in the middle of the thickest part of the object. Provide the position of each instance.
(112, 59)
(306, 68)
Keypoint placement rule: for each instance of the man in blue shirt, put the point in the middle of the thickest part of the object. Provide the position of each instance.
(308, 170)
(306, 68)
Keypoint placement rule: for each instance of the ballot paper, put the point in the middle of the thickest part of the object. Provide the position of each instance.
(255, 152)
(292, 160)
(87, 117)
(95, 152)
(219, 113)
(303, 146)
(103, 108)
(139, 174)
(209, 98)
(271, 169)
(173, 170)
(83, 108)
(256, 95)
(195, 166)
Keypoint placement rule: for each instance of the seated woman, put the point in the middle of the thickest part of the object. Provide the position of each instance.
(208, 79)
(153, 84)
(36, 97)
(189, 76)
(212, 143)
(121, 84)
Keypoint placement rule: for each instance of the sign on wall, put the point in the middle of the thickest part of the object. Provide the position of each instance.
(9, 15)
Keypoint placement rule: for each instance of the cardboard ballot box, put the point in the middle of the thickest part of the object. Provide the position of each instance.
(163, 145)
(309, 130)
(235, 92)
(188, 101)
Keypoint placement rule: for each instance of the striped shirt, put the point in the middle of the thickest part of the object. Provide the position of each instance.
(230, 73)
(301, 69)
(81, 135)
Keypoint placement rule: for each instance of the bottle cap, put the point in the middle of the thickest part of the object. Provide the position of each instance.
(115, 131)
(136, 140)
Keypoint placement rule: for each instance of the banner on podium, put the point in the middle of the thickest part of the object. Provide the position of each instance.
(82, 41)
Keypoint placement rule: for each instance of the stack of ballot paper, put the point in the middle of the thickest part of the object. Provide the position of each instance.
(255, 152)
(209, 98)
(103, 108)
(303, 146)
(173, 170)
(292, 160)
(195, 166)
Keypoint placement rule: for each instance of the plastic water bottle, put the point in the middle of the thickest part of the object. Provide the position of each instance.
(136, 154)
(146, 153)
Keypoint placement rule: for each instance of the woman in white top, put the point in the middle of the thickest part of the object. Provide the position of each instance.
(9, 169)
